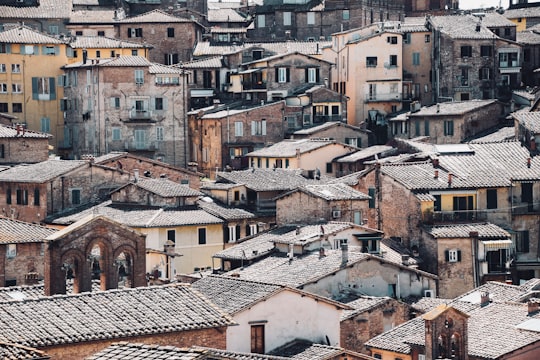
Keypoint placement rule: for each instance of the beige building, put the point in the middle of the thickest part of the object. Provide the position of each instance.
(368, 69)
(30, 66)
(100, 47)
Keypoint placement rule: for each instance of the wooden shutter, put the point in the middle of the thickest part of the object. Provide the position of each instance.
(257, 339)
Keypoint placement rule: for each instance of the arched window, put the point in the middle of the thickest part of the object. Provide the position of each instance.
(455, 343)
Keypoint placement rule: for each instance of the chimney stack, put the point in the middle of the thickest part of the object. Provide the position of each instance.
(435, 162)
(532, 307)
(405, 259)
(344, 254)
(436, 175)
(529, 162)
(533, 144)
(449, 179)
(484, 298)
(136, 174)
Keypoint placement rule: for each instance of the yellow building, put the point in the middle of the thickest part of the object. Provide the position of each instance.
(30, 74)
(97, 47)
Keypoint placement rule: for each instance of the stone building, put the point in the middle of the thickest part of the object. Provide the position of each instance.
(126, 104)
(18, 145)
(336, 130)
(21, 252)
(314, 20)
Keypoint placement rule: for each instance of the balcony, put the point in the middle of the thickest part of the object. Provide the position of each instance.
(134, 146)
(254, 85)
(454, 216)
(525, 208)
(381, 97)
(319, 119)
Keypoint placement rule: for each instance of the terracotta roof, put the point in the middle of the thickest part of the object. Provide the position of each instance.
(472, 165)
(462, 27)
(528, 12)
(126, 350)
(268, 179)
(207, 63)
(91, 42)
(506, 133)
(528, 37)
(224, 15)
(529, 120)
(25, 35)
(224, 212)
(205, 48)
(11, 132)
(494, 19)
(40, 172)
(253, 248)
(331, 192)
(142, 216)
(485, 231)
(232, 294)
(165, 188)
(128, 61)
(362, 304)
(290, 148)
(23, 292)
(19, 352)
(233, 355)
(156, 68)
(107, 315)
(154, 16)
(47, 9)
(92, 17)
(16, 232)
(366, 153)
(452, 108)
(300, 349)
(326, 125)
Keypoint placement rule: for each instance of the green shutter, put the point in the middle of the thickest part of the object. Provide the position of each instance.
(371, 193)
(52, 89)
(35, 88)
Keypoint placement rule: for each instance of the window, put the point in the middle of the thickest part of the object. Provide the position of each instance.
(261, 21)
(134, 32)
(11, 251)
(407, 38)
(427, 38)
(371, 61)
(311, 18)
(116, 134)
(253, 229)
(416, 59)
(16, 68)
(257, 339)
(238, 128)
(354, 142)
(282, 75)
(98, 54)
(466, 51)
(36, 197)
(115, 102)
(101, 33)
(377, 356)
(29, 50)
(491, 201)
(75, 196)
(508, 59)
(171, 59)
(372, 92)
(232, 234)
(22, 197)
(158, 103)
(464, 78)
(202, 236)
(140, 139)
(170, 32)
(8, 196)
(17, 107)
(391, 39)
(53, 29)
(258, 127)
(5, 48)
(78, 33)
(522, 241)
(3, 88)
(139, 76)
(486, 50)
(312, 75)
(134, 52)
(16, 88)
(371, 193)
(452, 255)
(345, 15)
(393, 60)
(43, 88)
(171, 236)
(2, 68)
(45, 124)
(484, 73)
(287, 18)
(506, 31)
(449, 128)
(49, 50)
(159, 133)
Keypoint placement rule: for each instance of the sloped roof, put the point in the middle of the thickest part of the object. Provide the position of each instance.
(92, 17)
(15, 351)
(224, 15)
(331, 192)
(494, 19)
(225, 212)
(107, 315)
(529, 120)
(268, 179)
(527, 12)
(40, 172)
(326, 125)
(290, 148)
(125, 350)
(528, 37)
(366, 153)
(452, 108)
(207, 63)
(120, 61)
(462, 27)
(25, 35)
(154, 16)
(91, 42)
(282, 55)
(205, 48)
(485, 231)
(300, 349)
(362, 304)
(47, 9)
(494, 164)
(11, 132)
(16, 232)
(165, 187)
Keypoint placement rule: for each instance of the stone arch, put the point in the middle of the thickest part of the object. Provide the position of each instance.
(124, 262)
(71, 250)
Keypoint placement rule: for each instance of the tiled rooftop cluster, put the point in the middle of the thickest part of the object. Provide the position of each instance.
(14, 231)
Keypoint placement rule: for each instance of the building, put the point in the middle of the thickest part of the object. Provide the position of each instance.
(126, 104)
(47, 16)
(339, 131)
(524, 18)
(530, 42)
(30, 66)
(101, 47)
(355, 162)
(310, 204)
(18, 145)
(306, 316)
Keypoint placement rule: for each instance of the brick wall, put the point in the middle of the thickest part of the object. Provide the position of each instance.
(29, 258)
(212, 337)
(24, 150)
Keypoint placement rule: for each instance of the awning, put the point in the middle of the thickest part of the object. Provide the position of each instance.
(492, 245)
(202, 93)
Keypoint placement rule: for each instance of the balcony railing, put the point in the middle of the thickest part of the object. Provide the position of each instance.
(526, 208)
(455, 216)
(140, 115)
(383, 97)
(259, 85)
(140, 146)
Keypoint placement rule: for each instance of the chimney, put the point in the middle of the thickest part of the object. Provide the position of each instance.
(484, 298)
(84, 56)
(321, 253)
(438, 108)
(533, 144)
(449, 179)
(405, 259)
(344, 254)
(136, 174)
(436, 175)
(529, 163)
(435, 162)
(298, 230)
(532, 307)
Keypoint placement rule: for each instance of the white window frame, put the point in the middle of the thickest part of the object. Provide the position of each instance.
(159, 133)
(16, 88)
(453, 255)
(258, 127)
(11, 251)
(116, 133)
(232, 233)
(312, 75)
(3, 68)
(253, 229)
(3, 88)
(16, 68)
(139, 76)
(238, 128)
(310, 18)
(339, 242)
(282, 75)
(287, 18)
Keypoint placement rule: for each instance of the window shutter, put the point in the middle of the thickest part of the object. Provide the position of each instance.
(226, 231)
(140, 32)
(277, 74)
(166, 59)
(306, 74)
(248, 230)
(153, 104)
(359, 142)
(263, 124)
(52, 89)
(36, 49)
(371, 193)
(23, 49)
(459, 255)
(253, 125)
(288, 75)
(8, 48)
(317, 75)
(129, 32)
(446, 255)
(35, 88)
(56, 50)
(165, 103)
